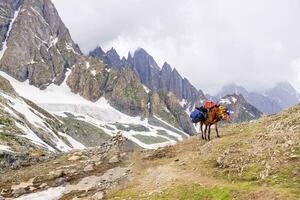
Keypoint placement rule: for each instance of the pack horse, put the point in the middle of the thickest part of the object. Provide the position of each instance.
(208, 115)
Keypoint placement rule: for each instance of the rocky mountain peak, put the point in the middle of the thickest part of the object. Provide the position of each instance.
(38, 46)
(130, 59)
(98, 52)
(166, 67)
(114, 58)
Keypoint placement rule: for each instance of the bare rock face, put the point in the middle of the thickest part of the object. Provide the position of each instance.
(178, 112)
(89, 78)
(6, 87)
(6, 15)
(159, 108)
(128, 94)
(93, 79)
(38, 45)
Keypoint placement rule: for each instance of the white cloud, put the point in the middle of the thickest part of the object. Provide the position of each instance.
(250, 42)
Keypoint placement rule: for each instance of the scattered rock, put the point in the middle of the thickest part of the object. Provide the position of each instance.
(74, 158)
(98, 163)
(31, 189)
(56, 174)
(114, 159)
(88, 168)
(43, 185)
(18, 192)
(98, 196)
(59, 182)
(4, 192)
(167, 152)
(293, 156)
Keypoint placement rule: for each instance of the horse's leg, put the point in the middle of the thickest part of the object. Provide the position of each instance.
(205, 129)
(216, 126)
(201, 128)
(209, 126)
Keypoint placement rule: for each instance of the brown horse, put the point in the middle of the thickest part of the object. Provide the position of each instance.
(214, 116)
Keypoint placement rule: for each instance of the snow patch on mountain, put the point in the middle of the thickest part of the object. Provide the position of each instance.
(16, 14)
(147, 90)
(60, 101)
(225, 101)
(5, 148)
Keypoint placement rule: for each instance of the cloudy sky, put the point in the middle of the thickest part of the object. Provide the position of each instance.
(254, 43)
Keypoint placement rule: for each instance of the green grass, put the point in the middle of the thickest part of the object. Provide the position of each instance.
(297, 150)
(195, 192)
(179, 192)
(251, 172)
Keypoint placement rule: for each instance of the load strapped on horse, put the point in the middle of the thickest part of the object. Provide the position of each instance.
(209, 114)
(201, 113)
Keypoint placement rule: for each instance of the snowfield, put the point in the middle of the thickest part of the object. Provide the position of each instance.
(60, 101)
(17, 106)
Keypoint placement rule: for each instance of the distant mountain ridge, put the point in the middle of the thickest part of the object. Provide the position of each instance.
(273, 100)
(239, 108)
(152, 76)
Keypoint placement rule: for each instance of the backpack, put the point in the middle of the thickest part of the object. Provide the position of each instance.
(197, 116)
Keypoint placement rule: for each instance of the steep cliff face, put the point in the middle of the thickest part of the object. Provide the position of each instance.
(37, 45)
(182, 118)
(128, 94)
(165, 77)
(147, 69)
(8, 9)
(89, 78)
(92, 79)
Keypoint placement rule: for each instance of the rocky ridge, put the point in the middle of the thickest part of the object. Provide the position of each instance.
(154, 77)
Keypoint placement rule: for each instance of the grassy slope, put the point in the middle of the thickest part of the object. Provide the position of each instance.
(259, 160)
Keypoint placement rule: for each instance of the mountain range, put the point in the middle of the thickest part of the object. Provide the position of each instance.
(282, 96)
(84, 100)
